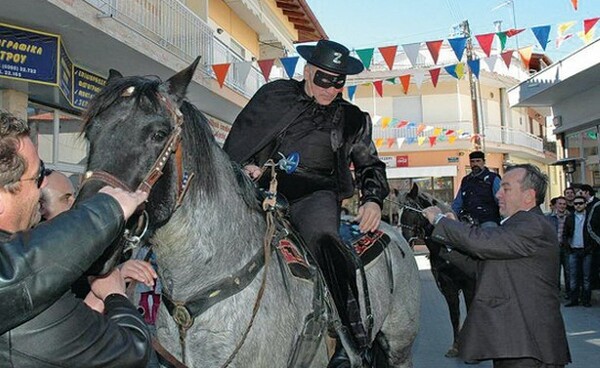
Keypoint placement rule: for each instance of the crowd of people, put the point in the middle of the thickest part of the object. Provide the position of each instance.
(502, 238)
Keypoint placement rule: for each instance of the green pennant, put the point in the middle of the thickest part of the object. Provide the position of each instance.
(592, 135)
(502, 38)
(365, 55)
(392, 80)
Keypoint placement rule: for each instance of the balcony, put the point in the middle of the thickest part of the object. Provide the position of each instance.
(174, 27)
(495, 135)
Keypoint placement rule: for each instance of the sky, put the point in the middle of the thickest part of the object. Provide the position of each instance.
(362, 24)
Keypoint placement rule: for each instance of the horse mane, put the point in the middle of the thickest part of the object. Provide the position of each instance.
(429, 198)
(199, 144)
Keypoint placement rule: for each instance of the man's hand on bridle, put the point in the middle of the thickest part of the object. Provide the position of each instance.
(369, 217)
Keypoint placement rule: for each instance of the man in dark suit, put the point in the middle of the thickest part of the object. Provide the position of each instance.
(591, 235)
(516, 268)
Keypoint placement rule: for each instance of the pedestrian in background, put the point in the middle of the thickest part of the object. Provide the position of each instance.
(558, 218)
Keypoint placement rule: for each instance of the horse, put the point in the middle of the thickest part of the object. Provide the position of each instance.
(450, 280)
(231, 297)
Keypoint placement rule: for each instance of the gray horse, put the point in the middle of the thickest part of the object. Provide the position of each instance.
(252, 309)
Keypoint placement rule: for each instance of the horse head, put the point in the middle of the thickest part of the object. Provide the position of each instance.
(134, 127)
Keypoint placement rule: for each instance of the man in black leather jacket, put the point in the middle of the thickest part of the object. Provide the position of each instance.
(42, 324)
(330, 134)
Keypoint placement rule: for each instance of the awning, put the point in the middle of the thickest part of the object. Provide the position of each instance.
(421, 172)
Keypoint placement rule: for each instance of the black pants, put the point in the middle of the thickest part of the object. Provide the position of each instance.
(523, 363)
(317, 218)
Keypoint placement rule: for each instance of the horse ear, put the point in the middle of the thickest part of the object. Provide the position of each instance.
(177, 84)
(113, 74)
(414, 191)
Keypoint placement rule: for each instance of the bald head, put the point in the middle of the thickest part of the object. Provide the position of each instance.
(57, 196)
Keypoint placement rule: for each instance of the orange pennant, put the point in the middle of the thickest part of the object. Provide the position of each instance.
(435, 74)
(434, 49)
(525, 54)
(405, 79)
(421, 128)
(378, 87)
(389, 55)
(390, 142)
(574, 2)
(221, 72)
(265, 67)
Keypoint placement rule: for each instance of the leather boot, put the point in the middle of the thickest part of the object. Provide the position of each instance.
(340, 358)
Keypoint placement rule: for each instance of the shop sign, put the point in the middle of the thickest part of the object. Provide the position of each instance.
(28, 55)
(85, 85)
(452, 159)
(65, 80)
(389, 161)
(401, 161)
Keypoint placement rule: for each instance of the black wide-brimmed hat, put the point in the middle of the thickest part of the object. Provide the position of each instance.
(331, 56)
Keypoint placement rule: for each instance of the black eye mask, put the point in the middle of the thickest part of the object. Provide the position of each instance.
(325, 80)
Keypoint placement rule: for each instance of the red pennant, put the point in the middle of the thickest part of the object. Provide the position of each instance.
(221, 72)
(589, 24)
(379, 87)
(434, 49)
(265, 67)
(574, 2)
(435, 74)
(485, 41)
(390, 142)
(449, 132)
(432, 140)
(513, 32)
(402, 123)
(389, 55)
(405, 79)
(507, 57)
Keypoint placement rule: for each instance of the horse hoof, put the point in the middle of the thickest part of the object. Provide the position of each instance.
(451, 353)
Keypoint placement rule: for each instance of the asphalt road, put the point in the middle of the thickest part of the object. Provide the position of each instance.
(435, 334)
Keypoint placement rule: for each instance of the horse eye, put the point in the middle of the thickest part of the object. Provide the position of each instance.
(159, 136)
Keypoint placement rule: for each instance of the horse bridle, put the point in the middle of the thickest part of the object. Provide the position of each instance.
(172, 145)
(417, 231)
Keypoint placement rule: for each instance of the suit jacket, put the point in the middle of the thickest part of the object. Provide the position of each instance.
(516, 309)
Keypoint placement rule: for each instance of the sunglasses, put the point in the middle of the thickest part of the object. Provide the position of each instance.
(578, 203)
(39, 178)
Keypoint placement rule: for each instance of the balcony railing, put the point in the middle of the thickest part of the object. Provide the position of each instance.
(174, 27)
(492, 134)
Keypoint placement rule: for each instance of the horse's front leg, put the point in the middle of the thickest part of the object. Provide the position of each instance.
(450, 293)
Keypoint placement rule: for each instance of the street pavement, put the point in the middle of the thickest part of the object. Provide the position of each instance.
(435, 333)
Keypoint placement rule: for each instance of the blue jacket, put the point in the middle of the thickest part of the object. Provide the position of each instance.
(477, 196)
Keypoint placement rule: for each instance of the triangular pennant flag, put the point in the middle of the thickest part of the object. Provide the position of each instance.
(410, 124)
(458, 46)
(460, 70)
(451, 69)
(441, 138)
(474, 67)
(420, 140)
(405, 80)
(434, 49)
(412, 52)
(586, 37)
(390, 142)
(400, 141)
(432, 141)
(378, 142)
(507, 57)
(394, 122)
(449, 132)
(525, 54)
(392, 80)
(427, 128)
(435, 74)
(365, 55)
(411, 140)
(289, 64)
(385, 121)
(242, 69)
(491, 62)
(451, 139)
(376, 119)
(502, 38)
(351, 92)
(418, 77)
(574, 2)
(402, 123)
(564, 27)
(437, 131)
(221, 72)
(541, 33)
(589, 24)
(513, 32)
(265, 67)
(378, 87)
(485, 41)
(421, 128)
(561, 39)
(389, 55)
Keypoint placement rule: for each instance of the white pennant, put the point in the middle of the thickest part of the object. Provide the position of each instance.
(418, 77)
(376, 119)
(412, 52)
(491, 62)
(242, 70)
(400, 141)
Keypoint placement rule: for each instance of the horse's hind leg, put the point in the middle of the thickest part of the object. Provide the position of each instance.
(451, 296)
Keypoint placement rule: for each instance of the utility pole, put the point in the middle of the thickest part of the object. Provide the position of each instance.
(472, 86)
